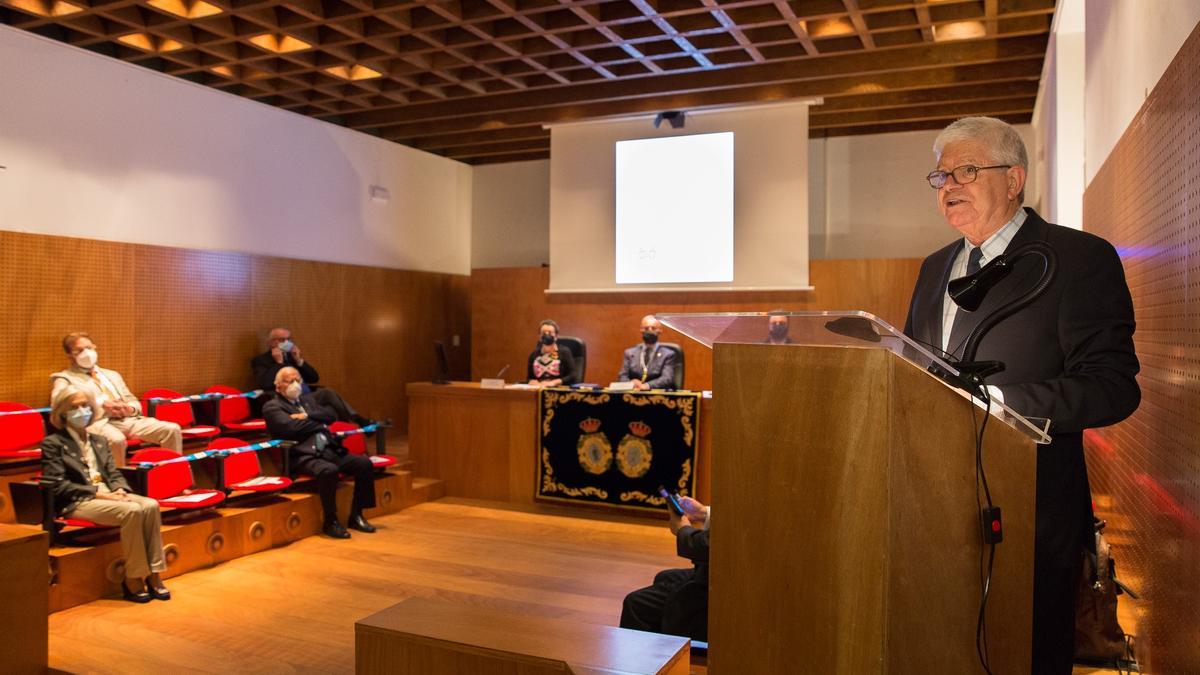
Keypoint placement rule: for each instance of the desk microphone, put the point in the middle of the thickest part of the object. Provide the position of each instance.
(503, 371)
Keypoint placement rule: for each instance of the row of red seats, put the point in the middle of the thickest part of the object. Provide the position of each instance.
(167, 476)
(22, 427)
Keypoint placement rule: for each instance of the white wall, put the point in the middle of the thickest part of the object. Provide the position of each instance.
(510, 214)
(866, 199)
(101, 149)
(1058, 119)
(1129, 44)
(877, 202)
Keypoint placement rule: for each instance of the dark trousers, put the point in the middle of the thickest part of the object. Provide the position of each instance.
(328, 397)
(675, 604)
(326, 473)
(1054, 591)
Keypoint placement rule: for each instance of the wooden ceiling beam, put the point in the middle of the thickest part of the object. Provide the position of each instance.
(860, 24)
(918, 113)
(879, 61)
(1026, 70)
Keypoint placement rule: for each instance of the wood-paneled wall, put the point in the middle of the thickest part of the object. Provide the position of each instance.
(187, 319)
(1145, 472)
(508, 304)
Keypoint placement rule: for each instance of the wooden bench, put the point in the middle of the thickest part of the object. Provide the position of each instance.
(427, 636)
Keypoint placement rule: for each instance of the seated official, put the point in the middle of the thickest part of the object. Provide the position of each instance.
(551, 365)
(284, 353)
(777, 328)
(87, 485)
(118, 411)
(295, 416)
(649, 365)
(677, 602)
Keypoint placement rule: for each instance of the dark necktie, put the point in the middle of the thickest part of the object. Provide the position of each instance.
(973, 266)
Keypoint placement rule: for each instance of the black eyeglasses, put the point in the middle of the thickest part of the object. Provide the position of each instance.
(962, 174)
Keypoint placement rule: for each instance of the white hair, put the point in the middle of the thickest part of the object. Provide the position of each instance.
(1003, 142)
(284, 371)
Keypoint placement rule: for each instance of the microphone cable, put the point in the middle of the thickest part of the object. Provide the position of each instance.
(985, 572)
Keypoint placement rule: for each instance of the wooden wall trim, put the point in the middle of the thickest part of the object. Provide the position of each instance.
(508, 303)
(1145, 472)
(187, 319)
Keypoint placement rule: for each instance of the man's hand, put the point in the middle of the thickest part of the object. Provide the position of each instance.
(299, 416)
(117, 496)
(116, 409)
(677, 521)
(638, 385)
(296, 356)
(277, 354)
(697, 513)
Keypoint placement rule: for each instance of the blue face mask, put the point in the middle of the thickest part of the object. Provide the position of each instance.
(79, 418)
(286, 346)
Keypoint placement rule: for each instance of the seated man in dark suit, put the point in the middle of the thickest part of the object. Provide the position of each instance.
(295, 416)
(284, 353)
(677, 602)
(648, 365)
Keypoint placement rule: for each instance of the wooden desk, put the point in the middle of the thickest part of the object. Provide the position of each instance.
(483, 443)
(431, 637)
(24, 580)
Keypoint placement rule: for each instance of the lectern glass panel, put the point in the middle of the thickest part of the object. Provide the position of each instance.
(836, 329)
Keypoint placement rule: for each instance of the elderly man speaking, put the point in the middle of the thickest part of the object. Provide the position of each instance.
(1069, 355)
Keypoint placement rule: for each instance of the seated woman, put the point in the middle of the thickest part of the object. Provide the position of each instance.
(87, 485)
(550, 365)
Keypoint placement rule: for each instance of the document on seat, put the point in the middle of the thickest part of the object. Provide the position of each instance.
(261, 480)
(194, 497)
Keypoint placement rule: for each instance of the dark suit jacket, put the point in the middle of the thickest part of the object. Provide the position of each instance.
(62, 463)
(1069, 357)
(660, 367)
(277, 413)
(264, 368)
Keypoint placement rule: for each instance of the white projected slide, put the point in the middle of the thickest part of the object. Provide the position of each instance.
(674, 209)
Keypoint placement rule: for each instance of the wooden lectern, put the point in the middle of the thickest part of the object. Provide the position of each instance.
(846, 533)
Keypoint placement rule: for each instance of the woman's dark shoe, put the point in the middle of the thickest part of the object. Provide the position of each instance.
(158, 593)
(336, 531)
(140, 597)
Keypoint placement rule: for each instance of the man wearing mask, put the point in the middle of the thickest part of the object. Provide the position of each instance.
(281, 352)
(284, 353)
(292, 415)
(119, 413)
(649, 365)
(777, 328)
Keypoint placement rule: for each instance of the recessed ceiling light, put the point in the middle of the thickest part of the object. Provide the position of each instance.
(827, 27)
(188, 9)
(223, 71)
(45, 7)
(355, 72)
(279, 44)
(959, 30)
(149, 43)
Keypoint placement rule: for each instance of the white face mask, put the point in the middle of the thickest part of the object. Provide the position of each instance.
(86, 359)
(79, 418)
(286, 346)
(292, 391)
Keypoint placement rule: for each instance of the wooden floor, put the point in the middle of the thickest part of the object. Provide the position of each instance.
(293, 609)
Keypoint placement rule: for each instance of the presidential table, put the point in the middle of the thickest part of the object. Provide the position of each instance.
(486, 443)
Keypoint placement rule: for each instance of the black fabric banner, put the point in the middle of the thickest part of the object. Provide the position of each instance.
(615, 448)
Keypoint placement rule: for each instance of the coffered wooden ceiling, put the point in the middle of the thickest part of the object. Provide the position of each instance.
(475, 80)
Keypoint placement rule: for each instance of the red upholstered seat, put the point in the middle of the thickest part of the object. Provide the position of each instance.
(179, 413)
(243, 471)
(20, 433)
(171, 484)
(357, 445)
(234, 413)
